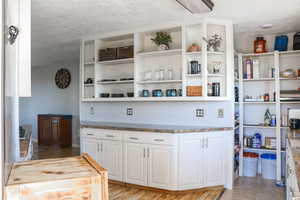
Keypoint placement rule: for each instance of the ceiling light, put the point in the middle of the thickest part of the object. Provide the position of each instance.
(266, 26)
(197, 6)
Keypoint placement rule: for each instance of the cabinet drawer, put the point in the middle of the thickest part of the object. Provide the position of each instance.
(90, 133)
(135, 137)
(102, 134)
(166, 139)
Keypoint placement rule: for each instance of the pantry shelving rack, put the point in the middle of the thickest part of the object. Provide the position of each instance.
(147, 57)
(280, 61)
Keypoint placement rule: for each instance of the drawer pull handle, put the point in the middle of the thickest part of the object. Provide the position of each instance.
(159, 140)
(111, 136)
(90, 134)
(133, 138)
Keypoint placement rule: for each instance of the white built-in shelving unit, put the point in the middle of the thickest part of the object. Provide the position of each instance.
(252, 113)
(148, 58)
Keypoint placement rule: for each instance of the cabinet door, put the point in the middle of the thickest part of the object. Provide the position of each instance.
(44, 131)
(112, 158)
(161, 166)
(90, 146)
(214, 152)
(191, 162)
(135, 164)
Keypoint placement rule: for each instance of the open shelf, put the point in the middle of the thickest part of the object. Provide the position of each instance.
(215, 75)
(193, 75)
(89, 63)
(259, 102)
(116, 62)
(161, 53)
(148, 61)
(260, 79)
(195, 53)
(295, 78)
(159, 82)
(89, 85)
(215, 53)
(258, 54)
(290, 102)
(261, 150)
(258, 126)
(115, 82)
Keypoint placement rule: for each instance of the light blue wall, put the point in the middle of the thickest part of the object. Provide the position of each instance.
(180, 113)
(48, 98)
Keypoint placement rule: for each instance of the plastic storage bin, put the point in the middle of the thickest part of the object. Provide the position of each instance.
(268, 165)
(250, 164)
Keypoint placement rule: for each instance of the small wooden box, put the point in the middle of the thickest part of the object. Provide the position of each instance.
(125, 52)
(194, 90)
(107, 54)
(57, 179)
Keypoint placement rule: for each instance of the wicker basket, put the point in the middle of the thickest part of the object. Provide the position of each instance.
(107, 54)
(194, 90)
(125, 52)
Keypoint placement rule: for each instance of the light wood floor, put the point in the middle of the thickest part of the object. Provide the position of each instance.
(120, 192)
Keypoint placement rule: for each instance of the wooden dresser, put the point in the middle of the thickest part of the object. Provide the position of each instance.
(55, 130)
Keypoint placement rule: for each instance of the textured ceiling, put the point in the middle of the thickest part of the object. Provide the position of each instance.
(57, 25)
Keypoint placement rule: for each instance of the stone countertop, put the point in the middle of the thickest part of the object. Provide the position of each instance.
(151, 127)
(294, 142)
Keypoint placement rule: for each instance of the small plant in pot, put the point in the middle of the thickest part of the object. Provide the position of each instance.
(214, 43)
(162, 40)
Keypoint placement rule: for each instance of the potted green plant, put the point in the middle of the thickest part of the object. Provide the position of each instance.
(162, 40)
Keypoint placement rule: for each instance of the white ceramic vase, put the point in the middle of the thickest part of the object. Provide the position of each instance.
(163, 47)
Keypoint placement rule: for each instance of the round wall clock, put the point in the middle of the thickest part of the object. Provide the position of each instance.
(63, 78)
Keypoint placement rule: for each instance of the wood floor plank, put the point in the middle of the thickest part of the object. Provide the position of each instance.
(125, 192)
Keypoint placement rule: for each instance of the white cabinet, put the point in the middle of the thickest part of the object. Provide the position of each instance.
(161, 160)
(90, 146)
(191, 159)
(111, 158)
(214, 159)
(106, 152)
(150, 165)
(161, 166)
(201, 160)
(135, 163)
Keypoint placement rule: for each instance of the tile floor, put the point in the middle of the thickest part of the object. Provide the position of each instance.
(254, 189)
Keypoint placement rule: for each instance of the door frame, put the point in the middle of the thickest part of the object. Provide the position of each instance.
(2, 166)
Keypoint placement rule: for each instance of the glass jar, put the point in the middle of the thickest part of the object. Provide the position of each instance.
(161, 74)
(170, 74)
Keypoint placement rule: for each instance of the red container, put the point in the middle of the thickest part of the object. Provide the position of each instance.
(260, 45)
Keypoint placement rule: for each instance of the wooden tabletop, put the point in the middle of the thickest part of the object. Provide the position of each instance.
(50, 170)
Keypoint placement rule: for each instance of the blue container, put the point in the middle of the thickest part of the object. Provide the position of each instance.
(281, 43)
(268, 166)
(256, 143)
(268, 156)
